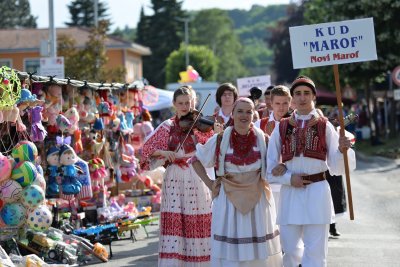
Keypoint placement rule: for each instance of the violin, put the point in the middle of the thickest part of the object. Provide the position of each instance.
(204, 123)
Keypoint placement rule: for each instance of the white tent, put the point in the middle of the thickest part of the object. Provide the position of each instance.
(157, 99)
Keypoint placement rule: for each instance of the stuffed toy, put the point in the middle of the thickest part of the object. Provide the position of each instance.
(53, 164)
(129, 119)
(72, 115)
(53, 106)
(38, 132)
(97, 173)
(63, 123)
(78, 146)
(69, 184)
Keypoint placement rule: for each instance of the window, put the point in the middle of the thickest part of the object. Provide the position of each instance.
(6, 62)
(32, 65)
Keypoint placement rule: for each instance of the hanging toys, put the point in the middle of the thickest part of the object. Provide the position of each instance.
(10, 88)
(53, 163)
(70, 184)
(38, 132)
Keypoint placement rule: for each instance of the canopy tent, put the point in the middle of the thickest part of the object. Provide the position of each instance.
(325, 97)
(157, 99)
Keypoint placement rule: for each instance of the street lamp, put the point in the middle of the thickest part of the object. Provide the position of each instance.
(186, 21)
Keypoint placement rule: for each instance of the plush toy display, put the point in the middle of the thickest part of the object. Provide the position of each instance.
(70, 184)
(53, 164)
(78, 146)
(38, 131)
(72, 115)
(63, 123)
(97, 173)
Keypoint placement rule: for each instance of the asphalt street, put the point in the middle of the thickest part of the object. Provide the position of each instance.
(371, 239)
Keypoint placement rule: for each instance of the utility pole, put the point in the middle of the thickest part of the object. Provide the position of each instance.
(52, 31)
(392, 124)
(96, 13)
(186, 21)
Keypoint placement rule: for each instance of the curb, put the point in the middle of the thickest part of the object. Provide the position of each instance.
(386, 164)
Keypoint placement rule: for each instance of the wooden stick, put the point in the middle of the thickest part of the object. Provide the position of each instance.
(341, 122)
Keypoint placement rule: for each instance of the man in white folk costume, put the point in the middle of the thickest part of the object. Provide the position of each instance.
(308, 146)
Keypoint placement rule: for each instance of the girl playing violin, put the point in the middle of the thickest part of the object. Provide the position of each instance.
(185, 225)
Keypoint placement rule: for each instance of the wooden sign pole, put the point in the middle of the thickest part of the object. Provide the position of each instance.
(342, 133)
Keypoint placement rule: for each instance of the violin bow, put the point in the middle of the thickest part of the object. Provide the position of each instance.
(194, 122)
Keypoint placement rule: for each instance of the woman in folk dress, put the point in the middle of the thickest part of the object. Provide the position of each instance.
(185, 226)
(243, 230)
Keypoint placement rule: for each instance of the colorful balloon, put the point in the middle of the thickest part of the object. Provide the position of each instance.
(10, 191)
(5, 168)
(24, 173)
(24, 151)
(13, 214)
(32, 196)
(40, 181)
(40, 219)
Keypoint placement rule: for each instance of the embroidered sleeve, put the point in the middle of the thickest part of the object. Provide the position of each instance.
(203, 137)
(334, 157)
(274, 158)
(157, 140)
(206, 153)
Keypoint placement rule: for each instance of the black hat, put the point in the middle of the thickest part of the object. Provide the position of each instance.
(269, 89)
(303, 80)
(255, 92)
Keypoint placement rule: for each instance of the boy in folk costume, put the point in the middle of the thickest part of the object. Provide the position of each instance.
(308, 146)
(225, 96)
(280, 103)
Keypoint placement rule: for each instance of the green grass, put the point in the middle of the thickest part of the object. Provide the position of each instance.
(390, 148)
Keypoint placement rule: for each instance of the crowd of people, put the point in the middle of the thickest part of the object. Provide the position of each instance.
(252, 189)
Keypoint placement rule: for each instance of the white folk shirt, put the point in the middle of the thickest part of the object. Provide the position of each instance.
(222, 115)
(312, 204)
(275, 187)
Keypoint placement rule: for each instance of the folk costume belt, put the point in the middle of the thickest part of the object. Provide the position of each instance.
(318, 177)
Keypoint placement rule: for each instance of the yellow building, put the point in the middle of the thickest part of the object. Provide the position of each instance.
(20, 49)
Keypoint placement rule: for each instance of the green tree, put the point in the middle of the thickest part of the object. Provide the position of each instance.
(386, 24)
(89, 62)
(82, 13)
(160, 32)
(127, 34)
(143, 28)
(201, 58)
(214, 29)
(16, 14)
(279, 41)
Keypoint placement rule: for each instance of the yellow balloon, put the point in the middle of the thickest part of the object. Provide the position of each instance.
(184, 77)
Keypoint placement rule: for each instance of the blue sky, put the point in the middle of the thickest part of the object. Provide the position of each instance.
(126, 12)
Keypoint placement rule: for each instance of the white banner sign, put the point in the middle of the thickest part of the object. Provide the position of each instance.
(245, 84)
(50, 66)
(333, 43)
(396, 94)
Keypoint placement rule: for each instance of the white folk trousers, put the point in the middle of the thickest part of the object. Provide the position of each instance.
(305, 244)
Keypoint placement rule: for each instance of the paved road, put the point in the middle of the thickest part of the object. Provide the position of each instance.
(372, 239)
